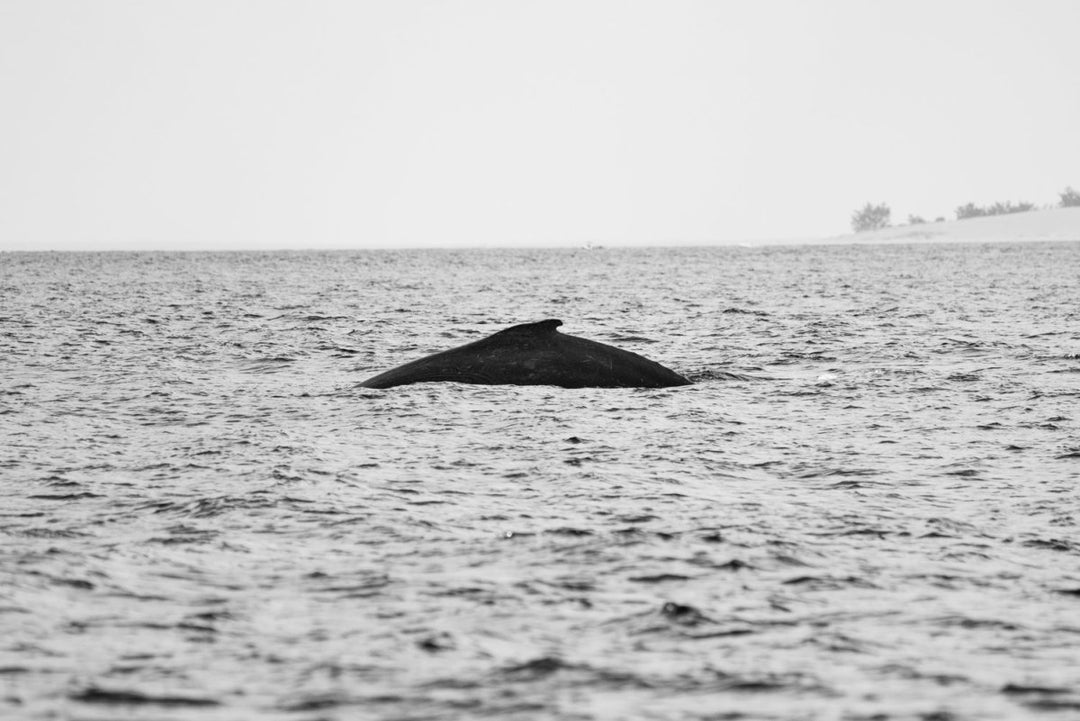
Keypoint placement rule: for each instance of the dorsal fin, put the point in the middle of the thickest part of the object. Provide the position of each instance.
(541, 327)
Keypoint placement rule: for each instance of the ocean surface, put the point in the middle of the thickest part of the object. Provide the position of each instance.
(866, 506)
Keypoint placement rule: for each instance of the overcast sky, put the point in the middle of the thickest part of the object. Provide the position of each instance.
(318, 124)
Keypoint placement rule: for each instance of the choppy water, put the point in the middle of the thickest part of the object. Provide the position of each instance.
(865, 508)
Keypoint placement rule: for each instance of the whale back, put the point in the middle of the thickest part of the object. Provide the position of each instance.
(533, 354)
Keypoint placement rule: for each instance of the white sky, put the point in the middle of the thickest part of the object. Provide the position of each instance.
(316, 124)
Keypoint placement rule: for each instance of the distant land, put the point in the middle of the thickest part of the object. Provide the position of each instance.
(1032, 225)
(1051, 224)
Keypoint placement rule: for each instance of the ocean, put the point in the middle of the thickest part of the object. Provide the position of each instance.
(865, 507)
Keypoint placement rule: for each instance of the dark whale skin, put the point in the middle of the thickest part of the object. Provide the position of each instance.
(533, 354)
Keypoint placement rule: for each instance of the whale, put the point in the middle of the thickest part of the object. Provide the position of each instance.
(533, 354)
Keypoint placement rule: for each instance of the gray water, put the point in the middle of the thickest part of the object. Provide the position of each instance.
(864, 508)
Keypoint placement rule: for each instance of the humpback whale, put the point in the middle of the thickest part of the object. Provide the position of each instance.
(534, 354)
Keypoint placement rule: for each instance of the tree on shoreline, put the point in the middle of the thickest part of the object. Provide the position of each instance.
(870, 217)
(1069, 198)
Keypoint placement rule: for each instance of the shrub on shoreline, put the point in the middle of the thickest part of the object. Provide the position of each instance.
(973, 211)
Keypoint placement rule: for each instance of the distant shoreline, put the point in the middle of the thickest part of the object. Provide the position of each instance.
(1055, 224)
